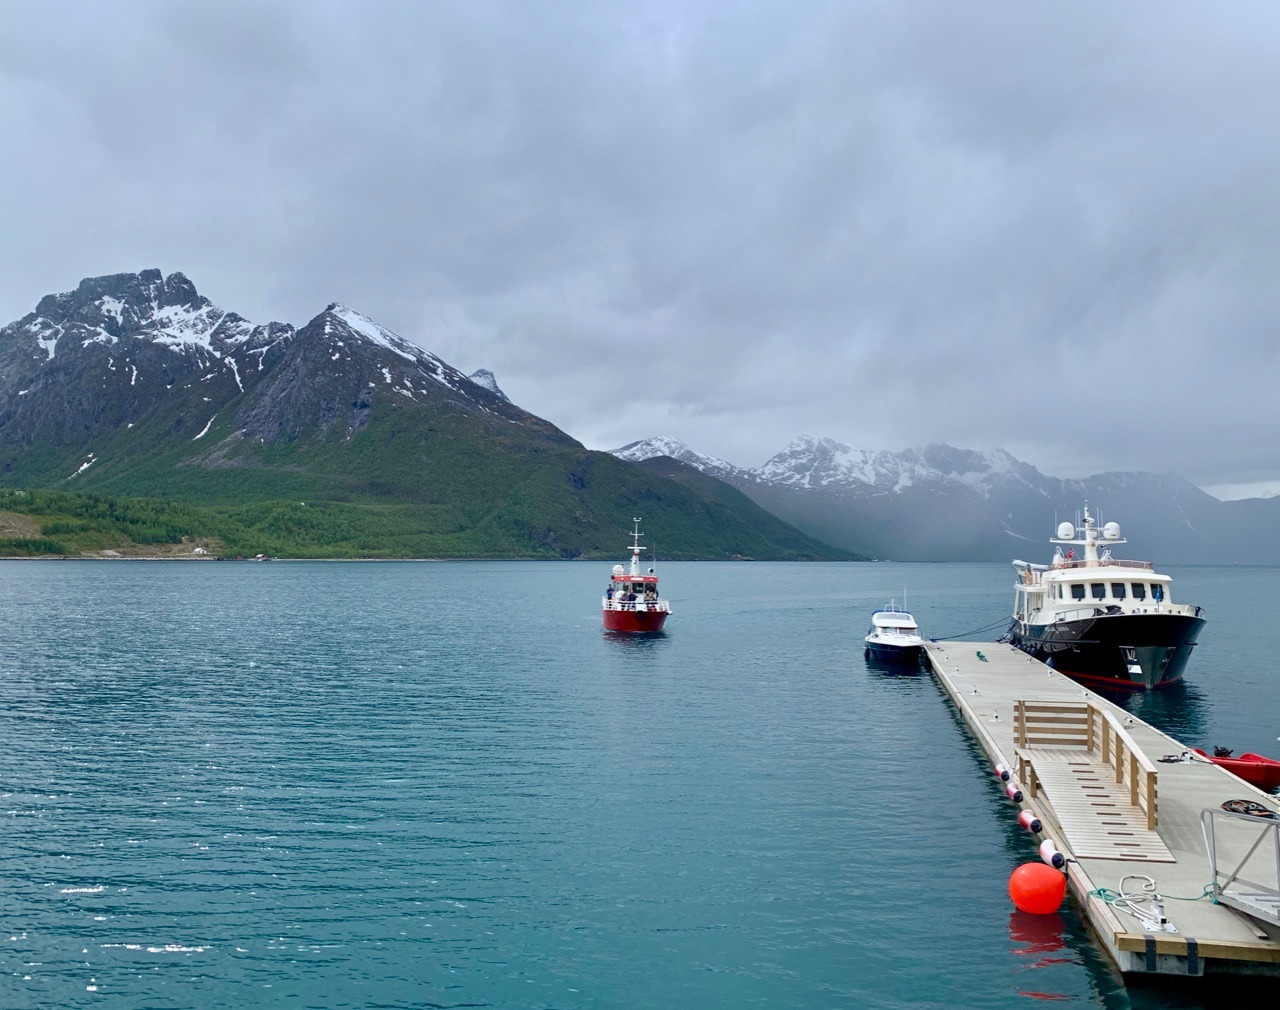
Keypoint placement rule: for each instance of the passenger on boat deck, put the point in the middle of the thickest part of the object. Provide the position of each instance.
(608, 593)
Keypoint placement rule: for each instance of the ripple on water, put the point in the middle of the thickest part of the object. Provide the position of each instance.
(349, 785)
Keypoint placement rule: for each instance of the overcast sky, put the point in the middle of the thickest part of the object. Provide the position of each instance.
(1048, 227)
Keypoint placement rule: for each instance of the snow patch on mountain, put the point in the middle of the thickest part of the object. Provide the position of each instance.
(363, 326)
(485, 379)
(178, 326)
(47, 339)
(371, 331)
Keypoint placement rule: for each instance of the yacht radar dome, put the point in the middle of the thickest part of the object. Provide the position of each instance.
(1065, 531)
(617, 569)
(1111, 531)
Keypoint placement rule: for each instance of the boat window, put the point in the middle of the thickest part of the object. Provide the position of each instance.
(1117, 590)
(1139, 590)
(1157, 591)
(1098, 590)
(1077, 591)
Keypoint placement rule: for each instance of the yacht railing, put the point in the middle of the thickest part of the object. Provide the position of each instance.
(1103, 563)
(655, 606)
(1101, 609)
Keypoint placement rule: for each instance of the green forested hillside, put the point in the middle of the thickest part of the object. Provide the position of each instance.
(530, 523)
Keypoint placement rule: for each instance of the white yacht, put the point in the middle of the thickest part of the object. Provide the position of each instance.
(894, 636)
(1097, 618)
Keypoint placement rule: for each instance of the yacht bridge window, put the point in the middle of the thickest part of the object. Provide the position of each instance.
(1098, 590)
(1139, 590)
(1077, 590)
(1117, 590)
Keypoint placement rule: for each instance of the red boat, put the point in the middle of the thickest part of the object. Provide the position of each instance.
(1263, 772)
(631, 603)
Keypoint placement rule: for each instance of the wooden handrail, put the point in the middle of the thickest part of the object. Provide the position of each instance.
(1093, 729)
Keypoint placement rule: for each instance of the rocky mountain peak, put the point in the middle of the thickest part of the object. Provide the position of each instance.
(648, 448)
(668, 445)
(485, 379)
(118, 300)
(176, 289)
(147, 306)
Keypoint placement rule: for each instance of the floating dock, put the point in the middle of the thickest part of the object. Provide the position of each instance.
(1092, 774)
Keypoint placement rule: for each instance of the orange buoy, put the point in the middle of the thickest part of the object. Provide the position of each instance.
(1037, 888)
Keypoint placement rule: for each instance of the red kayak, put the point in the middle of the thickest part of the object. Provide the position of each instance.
(1263, 772)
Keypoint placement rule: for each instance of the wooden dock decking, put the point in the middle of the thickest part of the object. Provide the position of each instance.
(1091, 772)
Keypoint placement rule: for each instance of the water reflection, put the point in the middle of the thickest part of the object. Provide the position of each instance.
(1179, 710)
(886, 668)
(1033, 935)
(637, 643)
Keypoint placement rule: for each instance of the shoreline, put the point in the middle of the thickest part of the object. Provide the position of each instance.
(209, 558)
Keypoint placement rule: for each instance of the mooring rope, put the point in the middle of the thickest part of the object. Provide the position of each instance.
(985, 627)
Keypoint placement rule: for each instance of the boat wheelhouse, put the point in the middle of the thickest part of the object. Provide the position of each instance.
(894, 636)
(1098, 618)
(631, 602)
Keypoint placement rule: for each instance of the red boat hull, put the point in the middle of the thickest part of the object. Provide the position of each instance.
(1263, 772)
(645, 621)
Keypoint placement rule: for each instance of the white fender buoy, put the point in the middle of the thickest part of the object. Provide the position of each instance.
(1002, 773)
(1013, 792)
(1050, 854)
(1028, 820)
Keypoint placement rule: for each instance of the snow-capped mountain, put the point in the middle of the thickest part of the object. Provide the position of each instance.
(823, 463)
(810, 462)
(167, 311)
(142, 350)
(666, 445)
(136, 384)
(943, 503)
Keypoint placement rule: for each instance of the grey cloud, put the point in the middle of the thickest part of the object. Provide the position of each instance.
(1045, 227)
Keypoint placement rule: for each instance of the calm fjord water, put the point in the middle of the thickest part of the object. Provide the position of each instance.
(440, 784)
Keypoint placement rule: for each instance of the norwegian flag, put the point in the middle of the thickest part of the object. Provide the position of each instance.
(1071, 553)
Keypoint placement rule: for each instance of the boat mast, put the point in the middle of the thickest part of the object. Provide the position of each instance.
(635, 548)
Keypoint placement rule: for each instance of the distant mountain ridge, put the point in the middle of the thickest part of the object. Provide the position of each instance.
(940, 503)
(136, 384)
